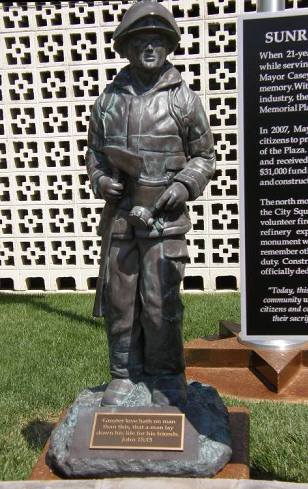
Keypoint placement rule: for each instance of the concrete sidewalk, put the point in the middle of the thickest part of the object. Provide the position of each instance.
(152, 483)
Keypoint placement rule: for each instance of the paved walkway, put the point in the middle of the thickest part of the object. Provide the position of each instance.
(151, 483)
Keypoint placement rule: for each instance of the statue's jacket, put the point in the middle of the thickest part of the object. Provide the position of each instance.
(168, 127)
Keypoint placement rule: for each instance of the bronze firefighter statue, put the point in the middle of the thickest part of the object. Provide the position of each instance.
(150, 150)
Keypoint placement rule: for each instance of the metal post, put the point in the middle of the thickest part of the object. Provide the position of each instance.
(270, 5)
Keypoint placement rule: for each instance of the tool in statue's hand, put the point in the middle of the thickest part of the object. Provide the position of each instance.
(130, 163)
(124, 160)
(110, 188)
(121, 160)
(143, 214)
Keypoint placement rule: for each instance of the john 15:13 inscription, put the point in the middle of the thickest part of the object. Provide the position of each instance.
(138, 431)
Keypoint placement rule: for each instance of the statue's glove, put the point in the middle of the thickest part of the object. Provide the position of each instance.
(109, 189)
(174, 197)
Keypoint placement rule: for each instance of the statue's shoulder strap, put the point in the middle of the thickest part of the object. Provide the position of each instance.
(177, 113)
(106, 100)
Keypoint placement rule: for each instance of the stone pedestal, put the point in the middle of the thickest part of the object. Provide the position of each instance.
(237, 468)
(207, 438)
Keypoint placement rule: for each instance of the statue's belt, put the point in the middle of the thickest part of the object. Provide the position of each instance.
(146, 193)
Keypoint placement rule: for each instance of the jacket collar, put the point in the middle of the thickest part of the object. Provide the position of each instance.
(169, 77)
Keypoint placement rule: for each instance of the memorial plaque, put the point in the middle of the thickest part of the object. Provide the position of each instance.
(274, 177)
(138, 431)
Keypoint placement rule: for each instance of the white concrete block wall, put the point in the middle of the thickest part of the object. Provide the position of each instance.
(56, 57)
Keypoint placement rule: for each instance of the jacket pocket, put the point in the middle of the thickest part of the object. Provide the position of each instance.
(120, 227)
(175, 248)
(175, 163)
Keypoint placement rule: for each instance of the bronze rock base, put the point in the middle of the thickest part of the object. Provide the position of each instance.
(237, 468)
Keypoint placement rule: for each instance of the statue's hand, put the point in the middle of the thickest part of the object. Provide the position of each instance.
(110, 189)
(174, 196)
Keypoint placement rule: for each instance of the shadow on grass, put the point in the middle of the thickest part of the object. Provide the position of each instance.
(37, 432)
(257, 473)
(39, 302)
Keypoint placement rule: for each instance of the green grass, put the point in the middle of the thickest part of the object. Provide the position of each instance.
(204, 311)
(278, 440)
(51, 349)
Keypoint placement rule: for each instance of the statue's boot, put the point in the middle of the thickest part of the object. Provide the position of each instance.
(117, 392)
(170, 390)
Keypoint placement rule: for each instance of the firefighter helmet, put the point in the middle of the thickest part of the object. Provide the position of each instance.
(146, 15)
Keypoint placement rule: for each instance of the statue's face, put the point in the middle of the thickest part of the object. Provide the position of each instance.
(147, 51)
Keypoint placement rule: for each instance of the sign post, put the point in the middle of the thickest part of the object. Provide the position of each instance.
(274, 177)
(270, 5)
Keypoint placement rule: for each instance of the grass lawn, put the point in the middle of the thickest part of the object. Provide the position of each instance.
(51, 349)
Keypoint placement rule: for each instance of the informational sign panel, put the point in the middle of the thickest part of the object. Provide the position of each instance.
(274, 177)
